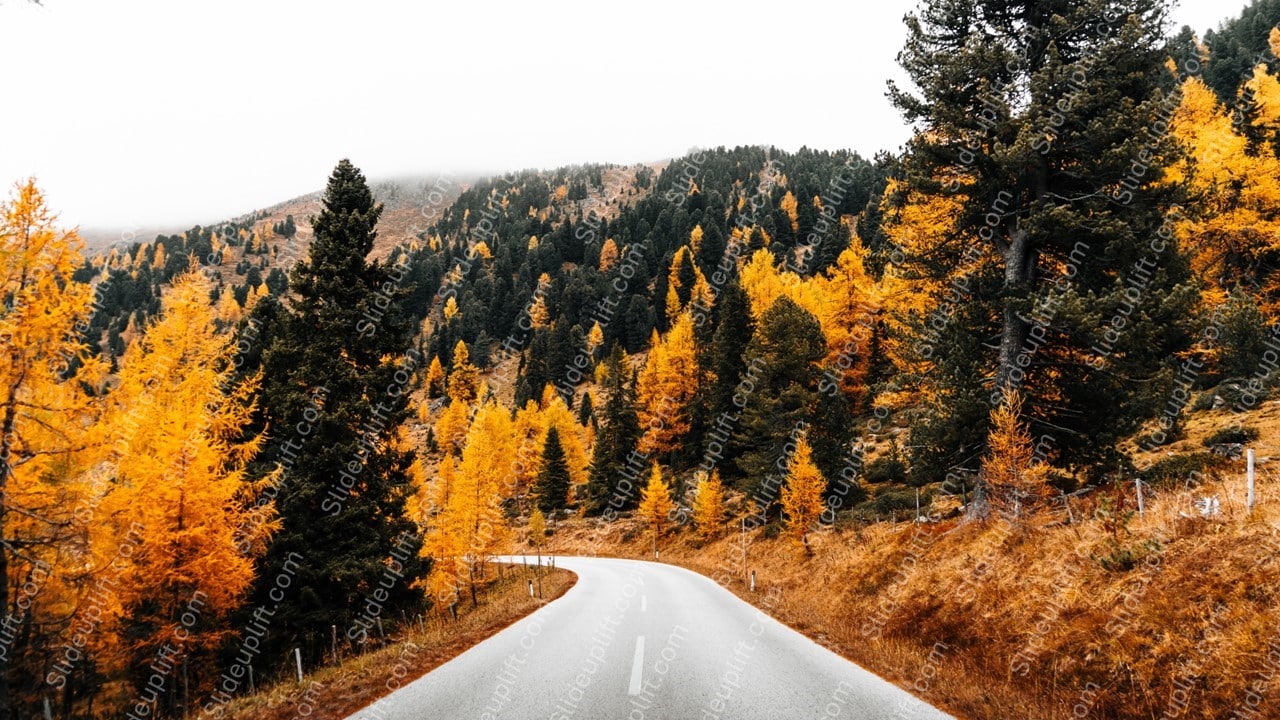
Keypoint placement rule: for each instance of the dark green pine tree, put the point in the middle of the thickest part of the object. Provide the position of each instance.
(616, 440)
(552, 488)
(711, 251)
(734, 329)
(586, 413)
(341, 498)
(533, 369)
(1048, 133)
(781, 392)
(687, 276)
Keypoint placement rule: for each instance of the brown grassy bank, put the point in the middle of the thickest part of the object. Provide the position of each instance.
(335, 692)
(1170, 615)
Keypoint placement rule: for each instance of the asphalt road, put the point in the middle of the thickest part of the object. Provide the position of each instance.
(637, 640)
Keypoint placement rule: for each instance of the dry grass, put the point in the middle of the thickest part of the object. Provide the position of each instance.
(335, 692)
(1045, 620)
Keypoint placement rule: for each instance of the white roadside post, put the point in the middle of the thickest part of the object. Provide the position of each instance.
(1249, 464)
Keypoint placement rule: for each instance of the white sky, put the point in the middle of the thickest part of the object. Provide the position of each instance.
(146, 112)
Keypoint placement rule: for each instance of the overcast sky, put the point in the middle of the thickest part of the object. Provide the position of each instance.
(146, 112)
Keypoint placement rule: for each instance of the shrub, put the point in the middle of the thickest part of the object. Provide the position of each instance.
(1236, 434)
(1182, 468)
(888, 469)
(1240, 396)
(887, 501)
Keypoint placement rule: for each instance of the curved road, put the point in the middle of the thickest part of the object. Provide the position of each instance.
(637, 640)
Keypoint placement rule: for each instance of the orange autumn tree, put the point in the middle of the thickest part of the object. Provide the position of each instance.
(608, 255)
(470, 526)
(463, 389)
(435, 377)
(666, 388)
(1234, 222)
(708, 504)
(802, 494)
(1014, 478)
(914, 223)
(48, 435)
(656, 504)
(183, 415)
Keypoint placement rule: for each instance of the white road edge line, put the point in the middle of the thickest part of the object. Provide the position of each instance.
(637, 667)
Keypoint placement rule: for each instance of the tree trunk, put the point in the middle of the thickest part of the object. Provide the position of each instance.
(1019, 267)
(6, 469)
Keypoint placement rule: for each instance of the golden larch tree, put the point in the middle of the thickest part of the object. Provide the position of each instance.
(666, 388)
(435, 377)
(1235, 220)
(595, 338)
(464, 378)
(1014, 478)
(802, 494)
(470, 527)
(656, 504)
(791, 207)
(708, 504)
(608, 255)
(50, 437)
(555, 413)
(183, 417)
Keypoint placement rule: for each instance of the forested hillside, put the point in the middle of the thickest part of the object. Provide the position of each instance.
(278, 440)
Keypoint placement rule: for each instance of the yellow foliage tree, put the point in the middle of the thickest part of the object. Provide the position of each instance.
(539, 315)
(673, 307)
(435, 377)
(848, 314)
(451, 427)
(49, 434)
(666, 387)
(183, 417)
(1236, 216)
(470, 526)
(229, 311)
(802, 494)
(1014, 478)
(595, 338)
(557, 414)
(656, 504)
(464, 378)
(608, 255)
(708, 504)
(790, 207)
(917, 224)
(450, 308)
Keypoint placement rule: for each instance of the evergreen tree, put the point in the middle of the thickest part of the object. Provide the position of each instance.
(728, 344)
(638, 324)
(332, 370)
(783, 396)
(608, 484)
(553, 479)
(1043, 141)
